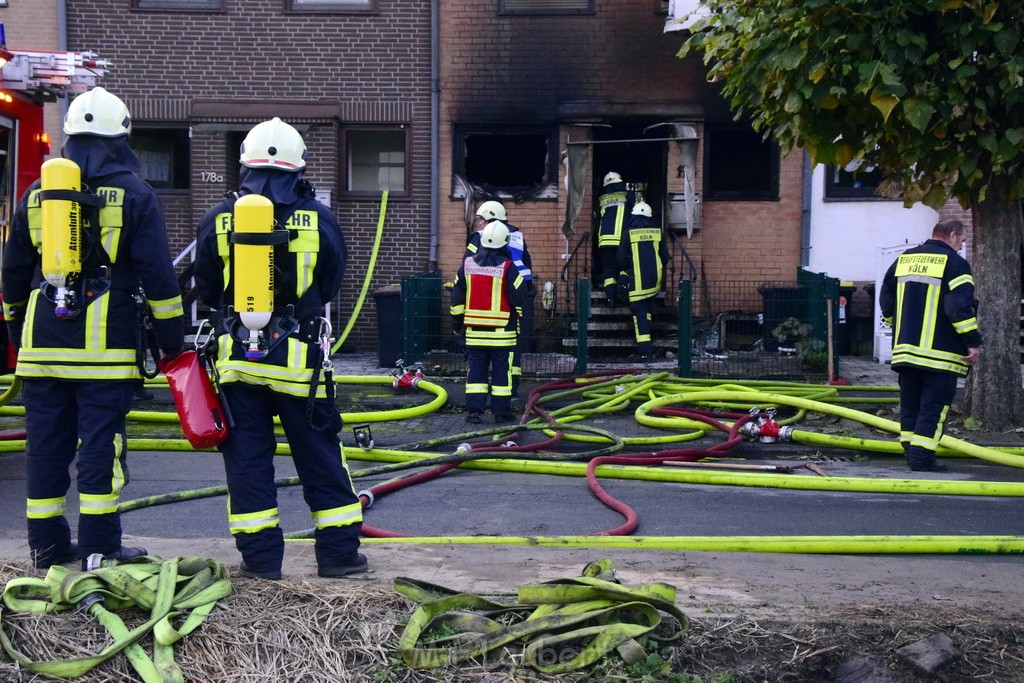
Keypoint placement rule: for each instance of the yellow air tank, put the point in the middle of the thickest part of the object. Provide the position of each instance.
(62, 232)
(253, 268)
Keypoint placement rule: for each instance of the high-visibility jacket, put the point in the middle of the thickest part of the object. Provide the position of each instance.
(641, 257)
(612, 206)
(127, 248)
(488, 296)
(308, 271)
(929, 292)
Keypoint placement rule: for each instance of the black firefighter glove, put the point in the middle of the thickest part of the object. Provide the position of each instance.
(458, 343)
(14, 328)
(624, 283)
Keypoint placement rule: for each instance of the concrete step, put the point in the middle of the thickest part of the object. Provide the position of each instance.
(628, 345)
(623, 325)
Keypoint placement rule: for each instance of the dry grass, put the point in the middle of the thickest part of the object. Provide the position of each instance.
(339, 631)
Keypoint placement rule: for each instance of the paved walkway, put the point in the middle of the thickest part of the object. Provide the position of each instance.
(861, 370)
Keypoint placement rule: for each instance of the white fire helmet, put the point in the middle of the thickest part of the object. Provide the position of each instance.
(492, 210)
(612, 177)
(642, 209)
(274, 144)
(494, 235)
(98, 112)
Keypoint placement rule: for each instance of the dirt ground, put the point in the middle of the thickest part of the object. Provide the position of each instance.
(753, 617)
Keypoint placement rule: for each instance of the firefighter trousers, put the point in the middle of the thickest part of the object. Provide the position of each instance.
(608, 272)
(641, 312)
(61, 418)
(319, 462)
(489, 375)
(925, 397)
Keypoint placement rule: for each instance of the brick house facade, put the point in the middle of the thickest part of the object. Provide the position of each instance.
(603, 74)
(519, 81)
(606, 74)
(197, 80)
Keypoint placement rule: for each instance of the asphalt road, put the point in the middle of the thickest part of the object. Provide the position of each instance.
(467, 502)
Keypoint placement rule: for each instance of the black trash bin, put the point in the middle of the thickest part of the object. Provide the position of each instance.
(844, 325)
(526, 324)
(389, 325)
(781, 302)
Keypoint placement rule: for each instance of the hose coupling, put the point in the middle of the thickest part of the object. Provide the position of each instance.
(766, 429)
(363, 436)
(369, 498)
(93, 562)
(463, 448)
(407, 377)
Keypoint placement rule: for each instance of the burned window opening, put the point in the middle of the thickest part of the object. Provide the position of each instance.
(511, 163)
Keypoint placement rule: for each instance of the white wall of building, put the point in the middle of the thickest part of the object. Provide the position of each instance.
(846, 235)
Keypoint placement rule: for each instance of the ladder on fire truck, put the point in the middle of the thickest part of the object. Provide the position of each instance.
(49, 75)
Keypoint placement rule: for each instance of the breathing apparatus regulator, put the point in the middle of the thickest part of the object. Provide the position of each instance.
(63, 250)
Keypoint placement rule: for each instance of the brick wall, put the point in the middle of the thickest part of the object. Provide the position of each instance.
(369, 68)
(33, 26)
(953, 210)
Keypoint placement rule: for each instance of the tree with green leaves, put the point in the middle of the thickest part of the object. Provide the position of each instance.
(929, 91)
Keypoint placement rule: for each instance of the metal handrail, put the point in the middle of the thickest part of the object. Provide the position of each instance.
(191, 297)
(586, 237)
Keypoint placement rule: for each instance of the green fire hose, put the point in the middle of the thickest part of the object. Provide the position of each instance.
(179, 591)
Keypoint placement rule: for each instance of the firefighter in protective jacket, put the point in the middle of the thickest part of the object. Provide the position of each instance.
(615, 205)
(518, 252)
(641, 257)
(80, 350)
(486, 298)
(929, 292)
(276, 361)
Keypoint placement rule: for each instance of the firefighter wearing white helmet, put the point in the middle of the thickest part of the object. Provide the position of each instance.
(79, 361)
(614, 205)
(272, 361)
(490, 322)
(642, 256)
(487, 213)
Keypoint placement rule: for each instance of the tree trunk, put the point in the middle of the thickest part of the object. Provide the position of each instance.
(994, 393)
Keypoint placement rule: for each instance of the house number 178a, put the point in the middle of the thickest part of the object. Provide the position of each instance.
(211, 177)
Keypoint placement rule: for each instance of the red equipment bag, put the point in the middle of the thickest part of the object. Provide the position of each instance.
(203, 418)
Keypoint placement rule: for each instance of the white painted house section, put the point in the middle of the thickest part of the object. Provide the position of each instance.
(684, 13)
(846, 235)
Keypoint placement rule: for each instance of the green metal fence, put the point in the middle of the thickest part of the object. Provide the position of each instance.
(760, 329)
(751, 329)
